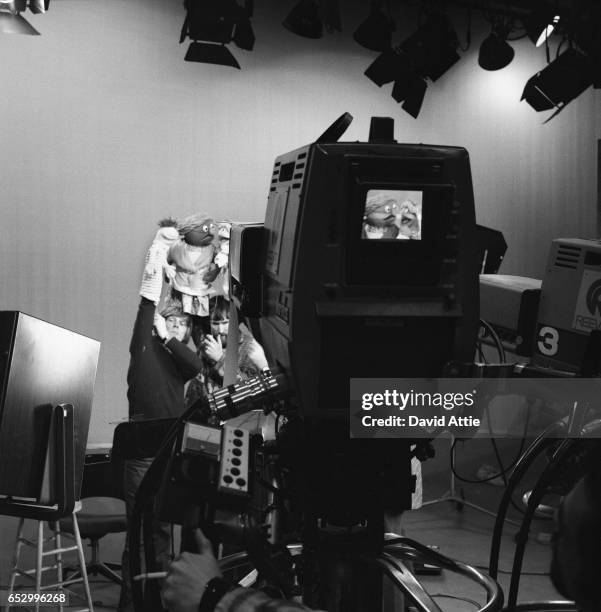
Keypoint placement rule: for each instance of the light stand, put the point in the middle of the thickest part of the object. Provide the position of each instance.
(459, 499)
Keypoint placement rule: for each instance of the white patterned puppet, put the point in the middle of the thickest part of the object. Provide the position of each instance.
(155, 264)
(221, 284)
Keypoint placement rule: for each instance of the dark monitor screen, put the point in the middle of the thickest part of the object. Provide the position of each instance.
(392, 214)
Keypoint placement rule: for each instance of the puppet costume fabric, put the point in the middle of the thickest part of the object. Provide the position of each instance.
(191, 265)
(155, 263)
(192, 256)
(221, 284)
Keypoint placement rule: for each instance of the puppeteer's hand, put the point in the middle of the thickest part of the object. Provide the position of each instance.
(254, 351)
(150, 270)
(170, 271)
(212, 348)
(211, 274)
(160, 326)
(188, 576)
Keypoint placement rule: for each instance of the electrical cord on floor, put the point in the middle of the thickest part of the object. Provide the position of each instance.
(503, 471)
(488, 479)
(481, 356)
(465, 599)
(509, 572)
(474, 480)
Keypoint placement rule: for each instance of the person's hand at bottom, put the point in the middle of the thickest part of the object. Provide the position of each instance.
(188, 576)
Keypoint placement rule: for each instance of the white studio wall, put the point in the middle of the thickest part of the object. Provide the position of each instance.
(105, 129)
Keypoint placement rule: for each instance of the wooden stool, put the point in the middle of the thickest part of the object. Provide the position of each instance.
(57, 551)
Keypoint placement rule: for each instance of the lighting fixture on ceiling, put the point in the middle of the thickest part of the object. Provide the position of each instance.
(559, 83)
(211, 25)
(375, 33)
(331, 15)
(304, 20)
(495, 52)
(410, 90)
(433, 47)
(409, 87)
(584, 32)
(541, 23)
(384, 68)
(427, 54)
(11, 20)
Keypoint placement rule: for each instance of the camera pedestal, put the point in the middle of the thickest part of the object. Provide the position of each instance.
(394, 560)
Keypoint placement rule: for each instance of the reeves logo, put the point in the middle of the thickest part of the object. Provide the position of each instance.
(593, 298)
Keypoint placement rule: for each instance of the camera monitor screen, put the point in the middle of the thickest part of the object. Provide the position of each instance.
(392, 214)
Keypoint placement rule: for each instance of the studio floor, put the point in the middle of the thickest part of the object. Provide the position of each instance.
(462, 535)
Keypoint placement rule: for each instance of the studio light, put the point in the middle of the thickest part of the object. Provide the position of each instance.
(209, 53)
(11, 20)
(495, 52)
(559, 83)
(211, 24)
(375, 33)
(428, 53)
(411, 90)
(585, 33)
(385, 68)
(408, 88)
(331, 15)
(432, 47)
(304, 20)
(541, 23)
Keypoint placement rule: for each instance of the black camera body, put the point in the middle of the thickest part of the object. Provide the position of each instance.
(335, 304)
(366, 266)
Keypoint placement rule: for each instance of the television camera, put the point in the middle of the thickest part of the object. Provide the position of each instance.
(365, 266)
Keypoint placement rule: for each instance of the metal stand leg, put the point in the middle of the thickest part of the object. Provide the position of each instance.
(36, 574)
(58, 558)
(398, 551)
(82, 562)
(96, 566)
(38, 561)
(16, 555)
(452, 496)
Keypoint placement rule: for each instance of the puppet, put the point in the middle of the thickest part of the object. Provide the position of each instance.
(192, 259)
(408, 221)
(155, 264)
(221, 284)
(380, 217)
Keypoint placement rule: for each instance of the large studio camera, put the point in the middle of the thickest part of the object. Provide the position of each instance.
(366, 266)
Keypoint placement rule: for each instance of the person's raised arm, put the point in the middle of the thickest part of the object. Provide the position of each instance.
(142, 332)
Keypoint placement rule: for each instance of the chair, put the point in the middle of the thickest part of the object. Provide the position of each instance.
(57, 550)
(103, 510)
(62, 445)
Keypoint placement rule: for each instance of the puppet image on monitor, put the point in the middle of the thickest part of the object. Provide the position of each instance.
(392, 214)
